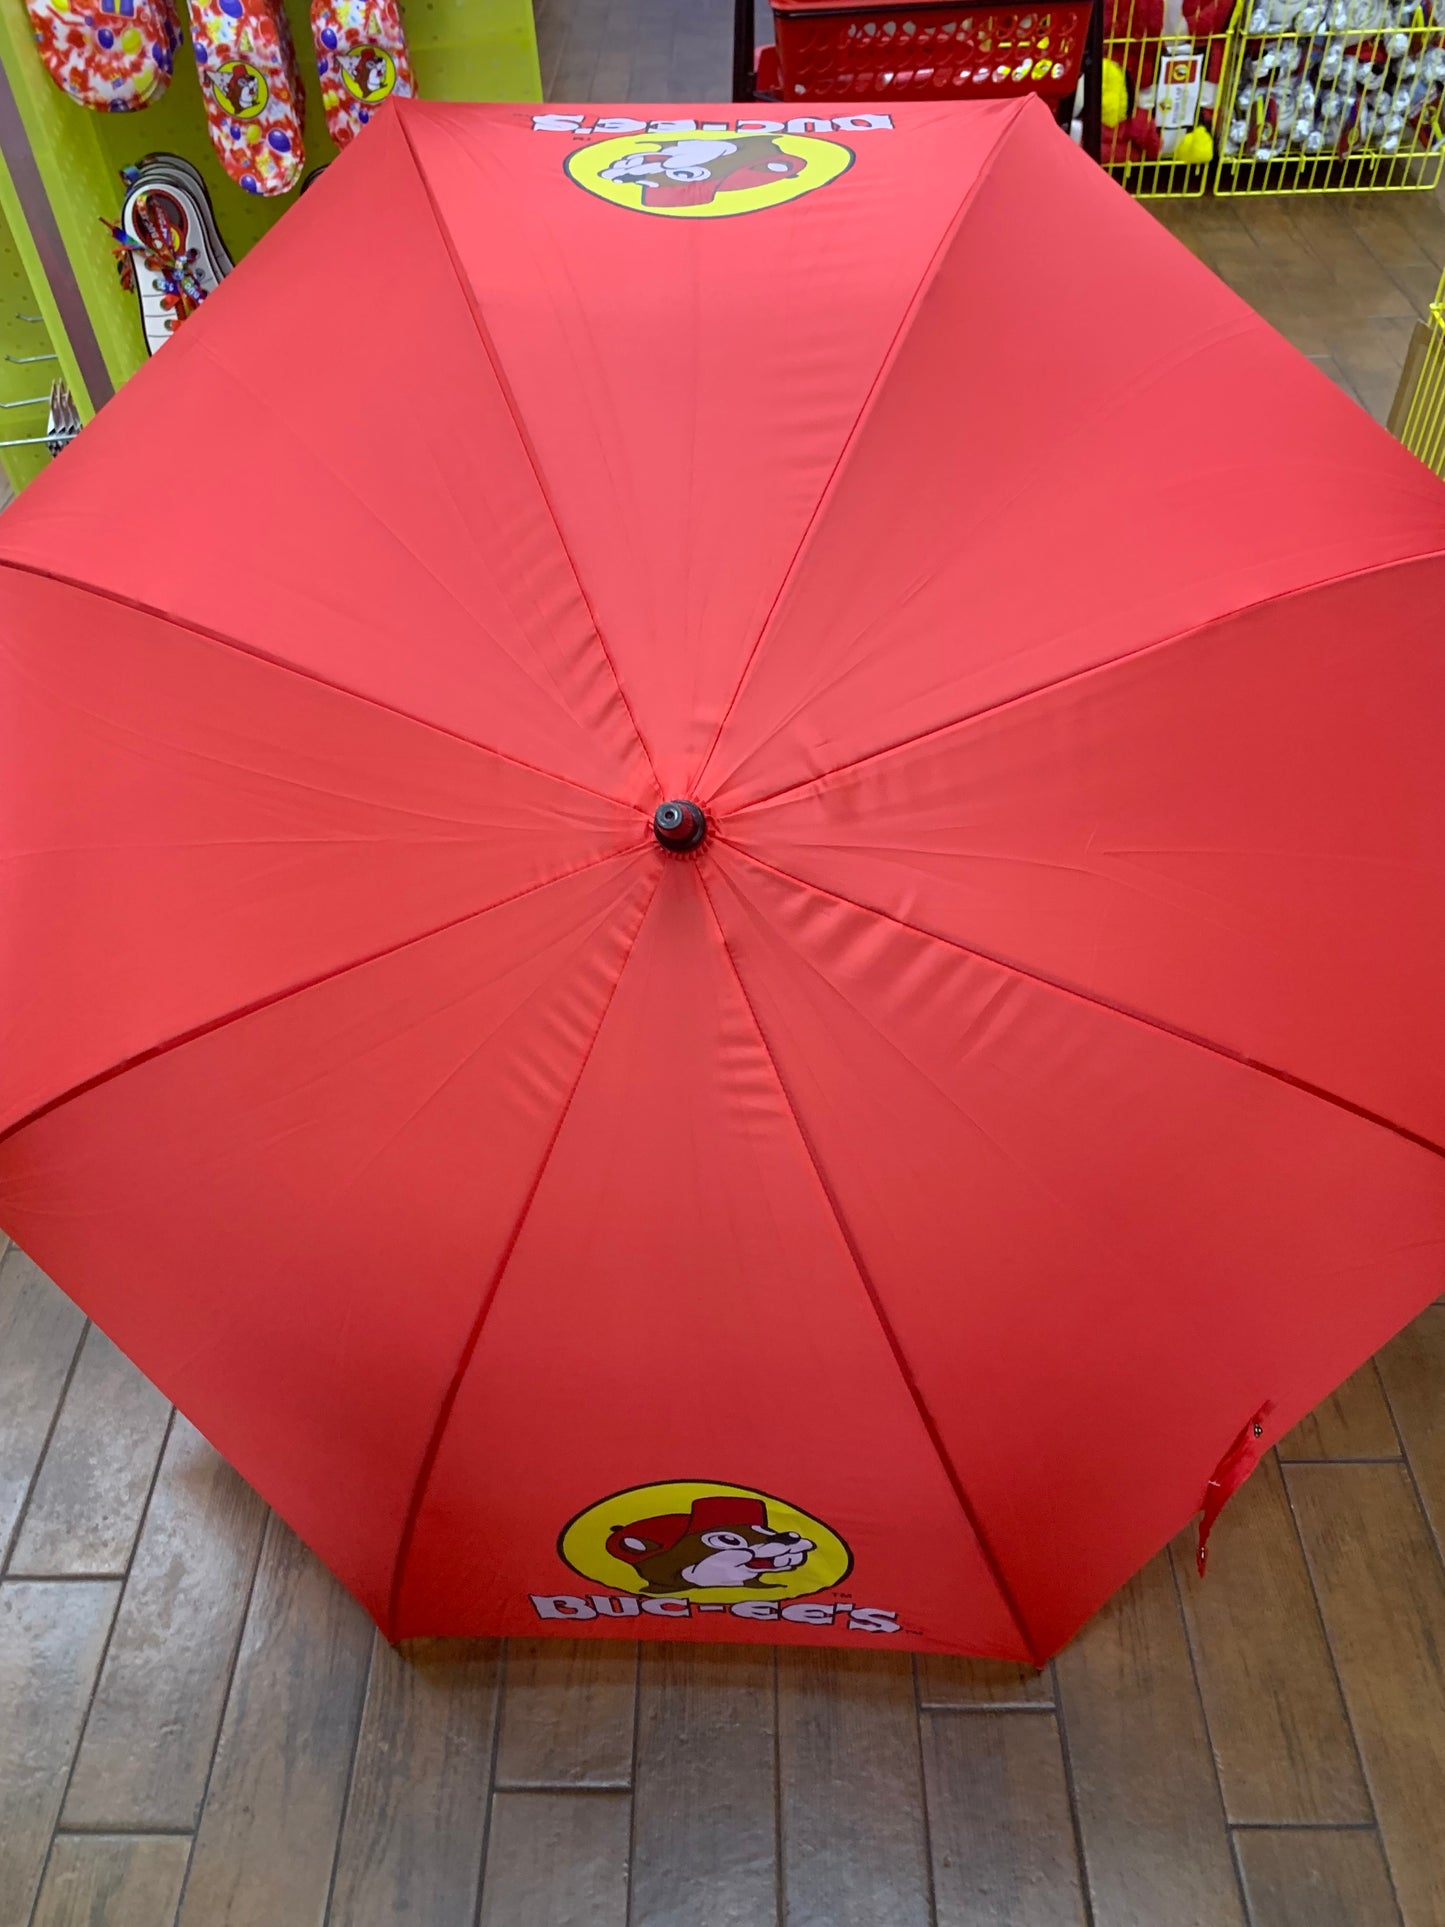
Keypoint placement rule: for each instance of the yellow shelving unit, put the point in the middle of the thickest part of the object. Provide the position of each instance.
(1332, 97)
(35, 349)
(1423, 428)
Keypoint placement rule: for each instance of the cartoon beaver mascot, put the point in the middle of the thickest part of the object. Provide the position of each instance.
(365, 73)
(239, 88)
(721, 1542)
(691, 173)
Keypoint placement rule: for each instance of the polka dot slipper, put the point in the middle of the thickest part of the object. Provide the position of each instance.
(112, 55)
(252, 91)
(362, 58)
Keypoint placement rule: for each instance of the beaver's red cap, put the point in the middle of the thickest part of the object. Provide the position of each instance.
(699, 193)
(718, 1514)
(677, 193)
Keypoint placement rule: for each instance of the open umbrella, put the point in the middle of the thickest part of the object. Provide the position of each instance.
(722, 876)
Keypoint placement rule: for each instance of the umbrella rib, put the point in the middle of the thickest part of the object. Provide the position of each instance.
(504, 388)
(900, 1358)
(885, 368)
(259, 1004)
(806, 783)
(489, 1296)
(1157, 1024)
(223, 641)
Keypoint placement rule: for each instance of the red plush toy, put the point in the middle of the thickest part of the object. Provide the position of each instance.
(1135, 139)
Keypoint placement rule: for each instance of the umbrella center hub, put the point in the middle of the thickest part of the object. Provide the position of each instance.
(679, 825)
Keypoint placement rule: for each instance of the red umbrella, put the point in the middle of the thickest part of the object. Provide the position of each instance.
(723, 876)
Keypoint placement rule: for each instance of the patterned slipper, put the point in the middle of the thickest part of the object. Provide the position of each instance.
(112, 55)
(362, 58)
(252, 91)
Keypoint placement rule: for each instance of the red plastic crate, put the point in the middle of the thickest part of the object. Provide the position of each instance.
(829, 50)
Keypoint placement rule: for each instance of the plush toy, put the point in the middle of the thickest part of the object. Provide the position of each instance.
(1131, 30)
(1113, 95)
(1136, 139)
(1161, 79)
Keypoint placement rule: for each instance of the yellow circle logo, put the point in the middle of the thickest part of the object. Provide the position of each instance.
(368, 75)
(704, 175)
(241, 89)
(697, 1540)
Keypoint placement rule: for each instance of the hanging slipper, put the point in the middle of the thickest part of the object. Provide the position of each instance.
(169, 247)
(362, 59)
(252, 91)
(112, 55)
(173, 171)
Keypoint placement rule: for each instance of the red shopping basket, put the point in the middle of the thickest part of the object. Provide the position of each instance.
(934, 50)
(851, 50)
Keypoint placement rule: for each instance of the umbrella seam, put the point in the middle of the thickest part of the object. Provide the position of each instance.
(1156, 1024)
(885, 368)
(243, 1011)
(524, 440)
(1210, 623)
(249, 650)
(437, 1434)
(875, 1302)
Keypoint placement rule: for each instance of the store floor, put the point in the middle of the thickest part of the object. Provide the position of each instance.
(187, 1701)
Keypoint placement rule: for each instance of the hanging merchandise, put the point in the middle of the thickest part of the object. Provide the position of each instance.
(1182, 89)
(62, 423)
(114, 55)
(252, 91)
(168, 247)
(1164, 60)
(1335, 94)
(362, 59)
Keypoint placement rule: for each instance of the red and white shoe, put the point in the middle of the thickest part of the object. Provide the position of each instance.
(362, 59)
(112, 55)
(176, 253)
(252, 91)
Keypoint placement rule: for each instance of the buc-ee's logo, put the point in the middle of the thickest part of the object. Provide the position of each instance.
(368, 73)
(704, 170)
(240, 88)
(686, 1548)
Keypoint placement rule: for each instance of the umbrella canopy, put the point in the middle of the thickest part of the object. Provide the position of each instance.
(865, 1202)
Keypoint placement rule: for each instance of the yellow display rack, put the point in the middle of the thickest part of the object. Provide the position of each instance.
(1423, 427)
(461, 50)
(1172, 82)
(1333, 97)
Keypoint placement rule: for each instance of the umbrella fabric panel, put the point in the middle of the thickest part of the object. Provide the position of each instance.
(291, 1220)
(189, 831)
(690, 387)
(371, 513)
(902, 1202)
(682, 1303)
(1239, 834)
(1102, 1248)
(1046, 481)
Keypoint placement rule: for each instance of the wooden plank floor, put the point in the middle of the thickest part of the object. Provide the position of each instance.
(198, 1726)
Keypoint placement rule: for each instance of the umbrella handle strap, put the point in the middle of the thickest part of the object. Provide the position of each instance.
(1229, 1475)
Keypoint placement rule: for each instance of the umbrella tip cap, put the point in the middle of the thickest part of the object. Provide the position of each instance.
(679, 826)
